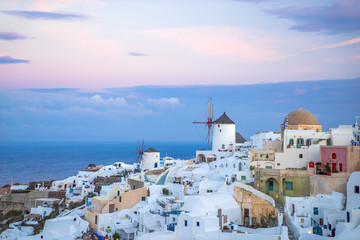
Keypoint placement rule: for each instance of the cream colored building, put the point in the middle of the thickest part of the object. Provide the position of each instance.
(112, 203)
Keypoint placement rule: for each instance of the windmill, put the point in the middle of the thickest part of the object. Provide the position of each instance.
(140, 147)
(209, 121)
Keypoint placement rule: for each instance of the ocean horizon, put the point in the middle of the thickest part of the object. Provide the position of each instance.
(24, 162)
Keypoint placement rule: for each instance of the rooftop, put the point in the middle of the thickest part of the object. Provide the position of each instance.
(151, 150)
(301, 116)
(224, 119)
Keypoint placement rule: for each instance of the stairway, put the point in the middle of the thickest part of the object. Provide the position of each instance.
(280, 208)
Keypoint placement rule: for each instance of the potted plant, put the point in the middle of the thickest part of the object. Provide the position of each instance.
(116, 236)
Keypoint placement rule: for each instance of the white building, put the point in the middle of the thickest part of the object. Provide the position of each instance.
(223, 141)
(206, 214)
(356, 130)
(342, 136)
(257, 141)
(300, 147)
(68, 227)
(353, 191)
(150, 159)
(341, 225)
(308, 214)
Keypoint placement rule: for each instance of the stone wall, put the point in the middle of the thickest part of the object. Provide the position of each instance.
(324, 184)
(105, 181)
(135, 184)
(258, 207)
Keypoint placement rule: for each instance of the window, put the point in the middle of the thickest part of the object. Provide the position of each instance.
(243, 178)
(333, 156)
(316, 211)
(308, 142)
(185, 223)
(234, 165)
(260, 155)
(198, 224)
(209, 191)
(300, 155)
(253, 220)
(223, 146)
(267, 155)
(119, 199)
(174, 219)
(291, 142)
(96, 219)
(356, 189)
(268, 167)
(118, 192)
(288, 185)
(300, 142)
(302, 220)
(142, 198)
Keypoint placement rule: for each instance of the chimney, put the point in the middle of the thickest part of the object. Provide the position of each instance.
(220, 218)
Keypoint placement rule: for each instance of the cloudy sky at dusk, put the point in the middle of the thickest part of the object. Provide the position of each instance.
(98, 70)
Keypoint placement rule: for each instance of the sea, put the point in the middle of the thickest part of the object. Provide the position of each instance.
(24, 162)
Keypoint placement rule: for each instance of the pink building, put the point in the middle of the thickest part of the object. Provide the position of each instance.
(340, 158)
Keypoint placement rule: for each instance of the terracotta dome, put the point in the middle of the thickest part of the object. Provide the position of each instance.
(301, 116)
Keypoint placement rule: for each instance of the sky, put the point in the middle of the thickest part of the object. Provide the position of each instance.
(126, 70)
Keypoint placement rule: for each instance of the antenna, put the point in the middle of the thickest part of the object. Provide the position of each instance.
(209, 121)
(356, 119)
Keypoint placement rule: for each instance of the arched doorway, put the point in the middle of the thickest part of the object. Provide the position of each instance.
(272, 186)
(201, 158)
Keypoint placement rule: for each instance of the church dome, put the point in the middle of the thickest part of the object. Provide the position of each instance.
(301, 116)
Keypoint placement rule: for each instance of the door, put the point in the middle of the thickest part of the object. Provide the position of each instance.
(271, 185)
(333, 166)
(300, 142)
(340, 167)
(111, 208)
(246, 217)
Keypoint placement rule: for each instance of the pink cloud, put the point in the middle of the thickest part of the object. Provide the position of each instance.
(220, 41)
(308, 70)
(300, 91)
(341, 44)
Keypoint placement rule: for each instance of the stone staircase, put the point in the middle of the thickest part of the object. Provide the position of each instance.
(280, 208)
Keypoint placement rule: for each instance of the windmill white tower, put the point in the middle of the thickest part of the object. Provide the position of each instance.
(147, 159)
(150, 159)
(224, 135)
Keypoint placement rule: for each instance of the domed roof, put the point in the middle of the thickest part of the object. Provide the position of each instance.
(301, 116)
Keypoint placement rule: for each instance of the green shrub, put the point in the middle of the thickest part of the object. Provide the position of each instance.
(116, 236)
(13, 213)
(165, 191)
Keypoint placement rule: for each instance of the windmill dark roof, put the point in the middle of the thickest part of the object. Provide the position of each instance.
(224, 119)
(239, 138)
(151, 150)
